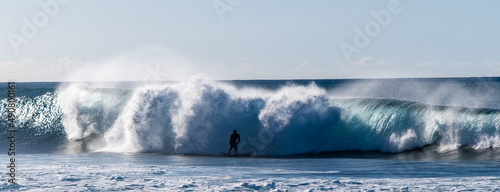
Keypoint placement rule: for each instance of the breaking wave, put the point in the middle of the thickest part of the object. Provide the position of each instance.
(197, 117)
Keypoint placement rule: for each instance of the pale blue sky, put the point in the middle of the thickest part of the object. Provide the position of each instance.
(255, 39)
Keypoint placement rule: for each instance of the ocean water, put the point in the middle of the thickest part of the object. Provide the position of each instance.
(439, 134)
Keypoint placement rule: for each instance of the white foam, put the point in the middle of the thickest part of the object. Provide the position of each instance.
(198, 116)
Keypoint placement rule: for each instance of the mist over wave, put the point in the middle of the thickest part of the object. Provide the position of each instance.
(198, 116)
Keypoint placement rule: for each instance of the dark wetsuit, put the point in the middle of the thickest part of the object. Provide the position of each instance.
(233, 142)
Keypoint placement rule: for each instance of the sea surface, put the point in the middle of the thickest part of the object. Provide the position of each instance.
(433, 134)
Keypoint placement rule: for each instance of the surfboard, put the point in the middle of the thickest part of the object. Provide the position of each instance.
(236, 154)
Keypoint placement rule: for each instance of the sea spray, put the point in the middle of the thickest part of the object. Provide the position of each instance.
(89, 110)
(198, 116)
(144, 123)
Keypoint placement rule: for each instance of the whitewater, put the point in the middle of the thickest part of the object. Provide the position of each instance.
(301, 134)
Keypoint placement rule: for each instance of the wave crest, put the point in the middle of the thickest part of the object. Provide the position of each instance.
(197, 117)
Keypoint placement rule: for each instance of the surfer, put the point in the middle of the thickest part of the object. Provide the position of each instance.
(233, 143)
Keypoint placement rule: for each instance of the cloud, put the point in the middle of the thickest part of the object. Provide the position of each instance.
(460, 63)
(30, 70)
(363, 61)
(152, 63)
(429, 64)
(149, 63)
(302, 65)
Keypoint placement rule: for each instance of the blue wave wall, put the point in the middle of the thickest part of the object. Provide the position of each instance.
(197, 117)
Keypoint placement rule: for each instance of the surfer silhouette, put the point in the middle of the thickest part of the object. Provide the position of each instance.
(233, 143)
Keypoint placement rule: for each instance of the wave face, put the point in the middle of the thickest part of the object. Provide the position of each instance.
(38, 121)
(197, 117)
